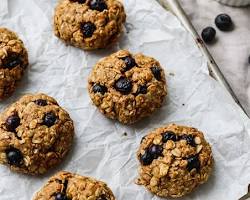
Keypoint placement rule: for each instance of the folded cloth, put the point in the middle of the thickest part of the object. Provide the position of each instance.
(232, 49)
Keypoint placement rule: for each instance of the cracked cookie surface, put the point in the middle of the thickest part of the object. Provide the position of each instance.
(13, 62)
(174, 160)
(66, 186)
(127, 87)
(35, 134)
(89, 24)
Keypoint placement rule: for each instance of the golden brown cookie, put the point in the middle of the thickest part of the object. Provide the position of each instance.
(127, 86)
(13, 62)
(174, 161)
(89, 24)
(35, 134)
(67, 186)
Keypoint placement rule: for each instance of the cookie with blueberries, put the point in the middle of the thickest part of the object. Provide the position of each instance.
(174, 160)
(89, 24)
(127, 87)
(35, 134)
(13, 62)
(66, 186)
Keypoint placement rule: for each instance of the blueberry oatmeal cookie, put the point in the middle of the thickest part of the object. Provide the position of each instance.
(174, 161)
(13, 62)
(89, 24)
(66, 186)
(35, 134)
(127, 86)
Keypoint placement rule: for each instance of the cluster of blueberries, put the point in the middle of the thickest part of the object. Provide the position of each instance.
(123, 84)
(89, 28)
(223, 23)
(155, 151)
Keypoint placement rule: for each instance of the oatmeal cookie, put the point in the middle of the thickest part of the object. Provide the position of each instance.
(35, 134)
(174, 161)
(89, 24)
(127, 87)
(65, 186)
(13, 62)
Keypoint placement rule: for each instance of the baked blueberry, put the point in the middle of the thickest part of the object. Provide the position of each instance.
(102, 197)
(193, 163)
(41, 102)
(79, 1)
(88, 29)
(189, 139)
(155, 151)
(49, 119)
(169, 136)
(146, 158)
(12, 61)
(208, 34)
(224, 22)
(129, 62)
(156, 72)
(98, 88)
(142, 89)
(12, 122)
(123, 85)
(14, 156)
(99, 5)
(248, 59)
(61, 196)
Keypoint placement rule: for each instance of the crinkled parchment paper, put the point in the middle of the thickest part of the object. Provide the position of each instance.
(101, 149)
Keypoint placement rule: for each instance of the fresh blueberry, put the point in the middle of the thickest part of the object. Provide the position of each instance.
(156, 72)
(208, 34)
(189, 139)
(169, 135)
(123, 85)
(61, 196)
(146, 158)
(224, 22)
(12, 61)
(129, 62)
(193, 163)
(12, 122)
(49, 119)
(142, 89)
(14, 156)
(79, 1)
(41, 102)
(98, 88)
(98, 5)
(88, 29)
(156, 151)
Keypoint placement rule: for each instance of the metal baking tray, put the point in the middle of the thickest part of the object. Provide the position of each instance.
(175, 7)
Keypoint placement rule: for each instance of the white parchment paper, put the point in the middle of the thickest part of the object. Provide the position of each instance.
(101, 149)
